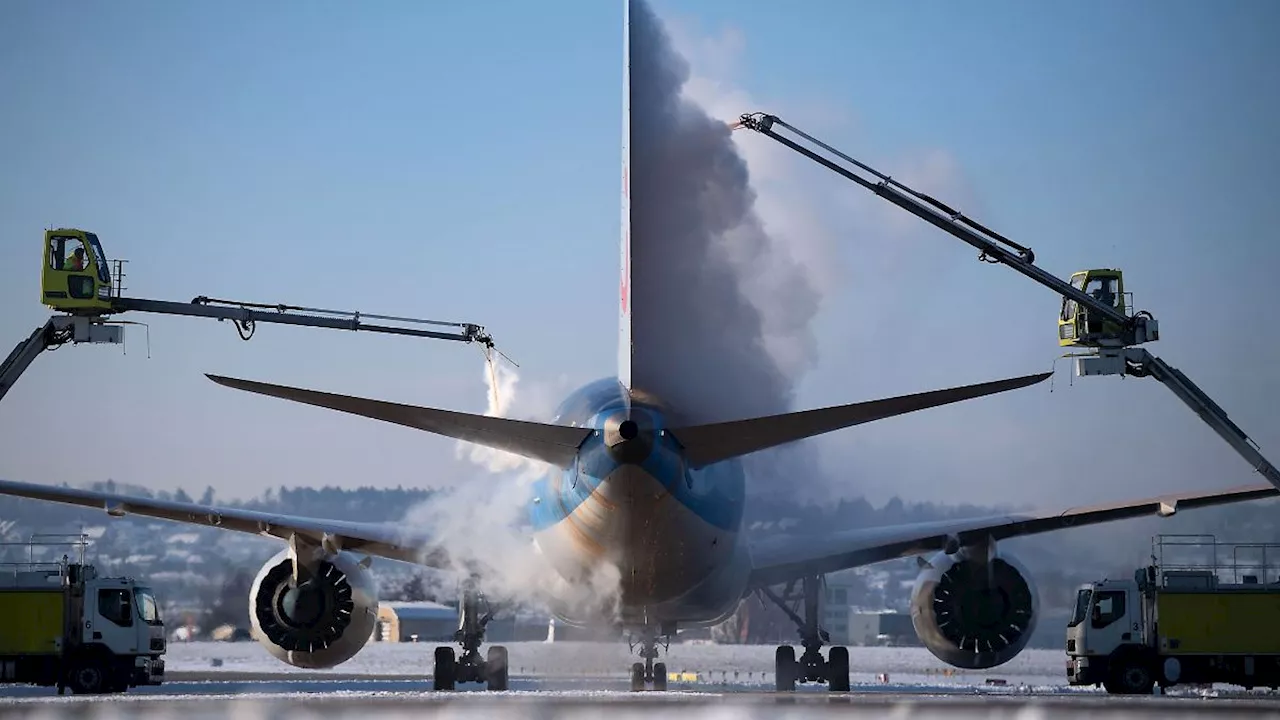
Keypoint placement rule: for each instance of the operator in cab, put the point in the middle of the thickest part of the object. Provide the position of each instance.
(75, 263)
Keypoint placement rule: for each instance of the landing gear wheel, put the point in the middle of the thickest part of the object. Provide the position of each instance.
(644, 673)
(637, 677)
(811, 667)
(838, 669)
(89, 678)
(496, 668)
(445, 672)
(784, 668)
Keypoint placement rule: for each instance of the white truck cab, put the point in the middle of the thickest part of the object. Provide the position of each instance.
(122, 619)
(1107, 617)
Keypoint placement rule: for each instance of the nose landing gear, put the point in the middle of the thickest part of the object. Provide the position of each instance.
(649, 672)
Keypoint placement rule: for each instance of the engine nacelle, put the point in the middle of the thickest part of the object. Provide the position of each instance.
(323, 622)
(965, 619)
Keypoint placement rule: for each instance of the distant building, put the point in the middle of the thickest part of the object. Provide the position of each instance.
(835, 610)
(888, 628)
(436, 623)
(420, 621)
(230, 633)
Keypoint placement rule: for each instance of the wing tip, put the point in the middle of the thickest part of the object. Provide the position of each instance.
(233, 383)
(1037, 378)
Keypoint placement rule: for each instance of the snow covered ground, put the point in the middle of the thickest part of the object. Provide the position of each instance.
(713, 663)
(589, 680)
(693, 706)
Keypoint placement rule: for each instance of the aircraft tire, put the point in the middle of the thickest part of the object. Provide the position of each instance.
(446, 668)
(637, 677)
(784, 668)
(660, 677)
(838, 669)
(496, 668)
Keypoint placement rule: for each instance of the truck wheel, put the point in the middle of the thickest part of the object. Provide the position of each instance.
(1131, 676)
(89, 678)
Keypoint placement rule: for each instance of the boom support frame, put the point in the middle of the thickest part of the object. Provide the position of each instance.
(96, 328)
(1115, 354)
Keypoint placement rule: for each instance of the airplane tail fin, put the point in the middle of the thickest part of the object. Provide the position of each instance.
(624, 282)
(554, 444)
(707, 444)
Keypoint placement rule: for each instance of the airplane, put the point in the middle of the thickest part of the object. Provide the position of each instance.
(635, 491)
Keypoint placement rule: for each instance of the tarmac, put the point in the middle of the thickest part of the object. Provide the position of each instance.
(196, 696)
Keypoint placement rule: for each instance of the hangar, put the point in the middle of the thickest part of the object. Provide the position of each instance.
(415, 622)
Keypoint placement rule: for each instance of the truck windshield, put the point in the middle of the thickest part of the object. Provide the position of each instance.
(1082, 607)
(148, 610)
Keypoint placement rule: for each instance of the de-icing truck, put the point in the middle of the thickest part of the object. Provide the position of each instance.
(1213, 618)
(63, 625)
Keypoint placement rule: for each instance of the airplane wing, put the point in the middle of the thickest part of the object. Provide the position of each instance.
(381, 540)
(779, 560)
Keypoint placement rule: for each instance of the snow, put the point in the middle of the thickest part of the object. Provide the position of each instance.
(516, 706)
(581, 679)
(186, 576)
(418, 605)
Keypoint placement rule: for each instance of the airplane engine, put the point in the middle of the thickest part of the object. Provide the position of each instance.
(971, 616)
(323, 622)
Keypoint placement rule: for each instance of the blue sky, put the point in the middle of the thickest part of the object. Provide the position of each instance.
(459, 162)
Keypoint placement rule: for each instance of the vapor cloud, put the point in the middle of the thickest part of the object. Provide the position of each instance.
(723, 319)
(501, 382)
(482, 522)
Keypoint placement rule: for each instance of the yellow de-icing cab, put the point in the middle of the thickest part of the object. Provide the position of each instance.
(1075, 327)
(75, 276)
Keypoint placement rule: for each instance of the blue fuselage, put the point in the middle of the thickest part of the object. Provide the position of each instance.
(630, 505)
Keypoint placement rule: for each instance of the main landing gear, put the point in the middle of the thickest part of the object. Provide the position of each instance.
(470, 635)
(650, 672)
(834, 671)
